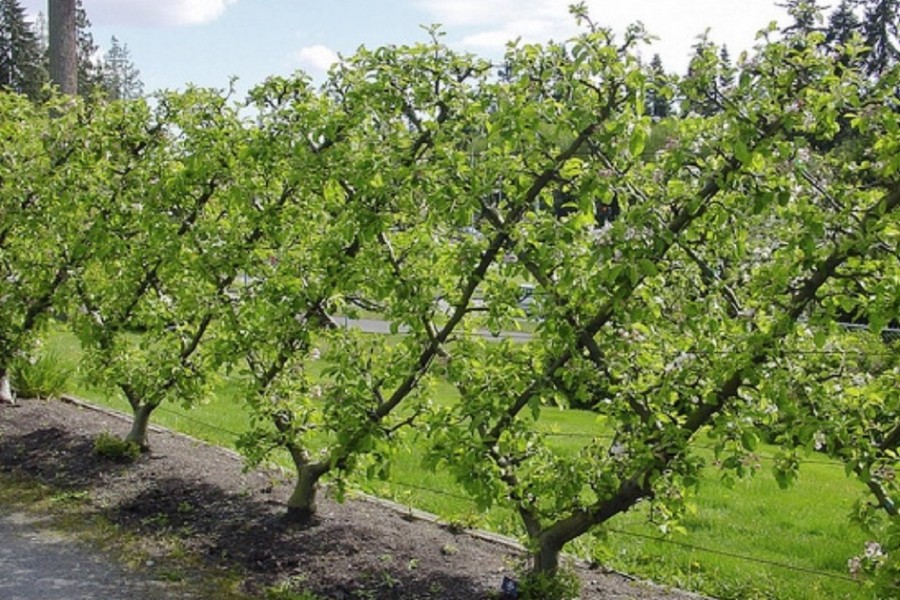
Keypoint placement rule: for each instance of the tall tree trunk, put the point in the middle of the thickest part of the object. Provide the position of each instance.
(5, 389)
(63, 46)
(139, 425)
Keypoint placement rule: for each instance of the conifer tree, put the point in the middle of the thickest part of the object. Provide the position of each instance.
(842, 24)
(881, 29)
(90, 77)
(21, 68)
(807, 15)
(702, 79)
(121, 78)
(726, 69)
(658, 105)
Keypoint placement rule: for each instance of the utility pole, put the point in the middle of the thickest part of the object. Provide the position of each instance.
(63, 48)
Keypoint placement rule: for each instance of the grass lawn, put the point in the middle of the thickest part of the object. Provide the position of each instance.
(752, 540)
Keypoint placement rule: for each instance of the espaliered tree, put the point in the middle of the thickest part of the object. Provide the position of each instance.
(52, 204)
(728, 240)
(389, 208)
(171, 254)
(845, 403)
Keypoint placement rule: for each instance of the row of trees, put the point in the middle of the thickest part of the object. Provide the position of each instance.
(25, 57)
(182, 240)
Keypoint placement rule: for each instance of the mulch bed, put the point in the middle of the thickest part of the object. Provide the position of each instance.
(233, 518)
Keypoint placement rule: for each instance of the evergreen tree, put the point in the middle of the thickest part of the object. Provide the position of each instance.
(701, 84)
(881, 29)
(807, 15)
(90, 77)
(42, 32)
(726, 69)
(21, 67)
(121, 78)
(658, 104)
(842, 24)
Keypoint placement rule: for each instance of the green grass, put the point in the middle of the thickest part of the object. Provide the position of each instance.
(806, 527)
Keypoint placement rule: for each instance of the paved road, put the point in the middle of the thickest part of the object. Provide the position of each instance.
(37, 564)
(376, 326)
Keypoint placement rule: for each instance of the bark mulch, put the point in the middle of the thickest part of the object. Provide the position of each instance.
(233, 518)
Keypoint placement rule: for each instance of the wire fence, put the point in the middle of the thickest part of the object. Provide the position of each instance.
(674, 542)
(665, 540)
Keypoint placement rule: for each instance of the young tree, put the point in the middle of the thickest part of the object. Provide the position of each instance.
(21, 69)
(382, 183)
(53, 204)
(148, 300)
(121, 78)
(670, 318)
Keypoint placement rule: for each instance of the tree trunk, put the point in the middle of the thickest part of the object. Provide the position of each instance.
(545, 559)
(301, 506)
(63, 46)
(139, 426)
(5, 389)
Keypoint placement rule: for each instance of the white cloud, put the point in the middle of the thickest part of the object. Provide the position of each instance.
(316, 58)
(484, 12)
(146, 12)
(499, 21)
(487, 25)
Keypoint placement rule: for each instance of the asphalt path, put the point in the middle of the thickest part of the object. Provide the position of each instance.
(37, 563)
(377, 326)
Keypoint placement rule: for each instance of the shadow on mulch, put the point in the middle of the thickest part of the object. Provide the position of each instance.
(331, 557)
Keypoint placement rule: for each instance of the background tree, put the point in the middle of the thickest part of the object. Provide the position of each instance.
(881, 28)
(21, 68)
(658, 104)
(727, 71)
(807, 15)
(121, 78)
(701, 82)
(843, 23)
(90, 75)
(63, 45)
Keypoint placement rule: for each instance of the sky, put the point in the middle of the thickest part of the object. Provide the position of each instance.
(209, 42)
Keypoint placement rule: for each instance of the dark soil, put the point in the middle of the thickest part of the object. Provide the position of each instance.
(233, 519)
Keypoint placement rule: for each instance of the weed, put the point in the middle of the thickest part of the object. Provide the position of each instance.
(70, 497)
(44, 375)
(449, 550)
(116, 449)
(563, 585)
(289, 589)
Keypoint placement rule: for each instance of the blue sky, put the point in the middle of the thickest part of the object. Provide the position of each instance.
(206, 42)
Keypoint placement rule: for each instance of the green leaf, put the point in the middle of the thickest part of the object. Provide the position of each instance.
(637, 142)
(648, 267)
(741, 152)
